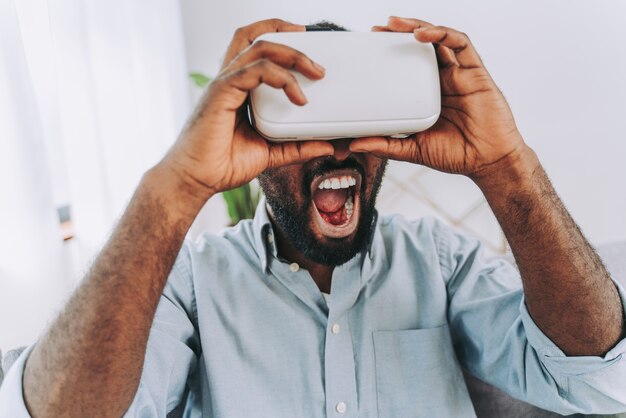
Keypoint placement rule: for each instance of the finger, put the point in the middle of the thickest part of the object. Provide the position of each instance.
(282, 55)
(281, 154)
(445, 57)
(245, 35)
(263, 71)
(405, 24)
(383, 147)
(456, 41)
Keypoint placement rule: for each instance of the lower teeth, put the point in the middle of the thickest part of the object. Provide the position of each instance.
(349, 207)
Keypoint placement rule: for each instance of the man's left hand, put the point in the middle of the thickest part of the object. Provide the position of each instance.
(475, 130)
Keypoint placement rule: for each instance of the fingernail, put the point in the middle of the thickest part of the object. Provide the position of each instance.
(417, 31)
(319, 67)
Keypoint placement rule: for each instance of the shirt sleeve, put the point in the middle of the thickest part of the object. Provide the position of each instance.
(173, 346)
(11, 395)
(171, 355)
(497, 340)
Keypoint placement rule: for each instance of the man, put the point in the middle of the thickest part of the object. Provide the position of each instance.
(242, 327)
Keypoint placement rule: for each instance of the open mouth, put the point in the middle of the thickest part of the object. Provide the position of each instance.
(336, 202)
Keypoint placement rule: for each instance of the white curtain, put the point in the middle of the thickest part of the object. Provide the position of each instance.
(91, 95)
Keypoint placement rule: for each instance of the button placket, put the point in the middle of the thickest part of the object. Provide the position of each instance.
(340, 376)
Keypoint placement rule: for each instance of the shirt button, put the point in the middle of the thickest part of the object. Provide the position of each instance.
(294, 267)
(341, 407)
(335, 329)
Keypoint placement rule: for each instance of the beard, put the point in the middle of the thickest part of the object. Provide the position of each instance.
(292, 218)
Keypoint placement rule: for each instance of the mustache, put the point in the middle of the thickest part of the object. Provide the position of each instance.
(326, 165)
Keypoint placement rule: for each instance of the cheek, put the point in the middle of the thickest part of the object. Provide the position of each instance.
(374, 167)
(291, 187)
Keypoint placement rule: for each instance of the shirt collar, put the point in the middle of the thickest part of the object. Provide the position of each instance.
(265, 242)
(263, 235)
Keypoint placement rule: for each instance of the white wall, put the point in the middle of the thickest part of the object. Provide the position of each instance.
(561, 64)
(102, 87)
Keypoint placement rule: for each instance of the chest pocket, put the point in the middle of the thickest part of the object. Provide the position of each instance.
(418, 375)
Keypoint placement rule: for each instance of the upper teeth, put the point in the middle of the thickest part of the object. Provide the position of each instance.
(342, 182)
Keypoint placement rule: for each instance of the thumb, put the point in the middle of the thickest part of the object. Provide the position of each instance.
(286, 153)
(396, 149)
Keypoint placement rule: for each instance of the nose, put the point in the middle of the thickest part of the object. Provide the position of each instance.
(342, 148)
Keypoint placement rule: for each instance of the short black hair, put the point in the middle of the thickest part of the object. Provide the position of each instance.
(325, 24)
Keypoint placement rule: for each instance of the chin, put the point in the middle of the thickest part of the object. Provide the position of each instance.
(324, 208)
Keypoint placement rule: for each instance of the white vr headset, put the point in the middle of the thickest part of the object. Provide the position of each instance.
(376, 84)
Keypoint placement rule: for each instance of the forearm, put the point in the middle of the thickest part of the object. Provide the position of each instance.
(568, 291)
(89, 361)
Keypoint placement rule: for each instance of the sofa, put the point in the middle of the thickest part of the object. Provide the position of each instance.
(489, 402)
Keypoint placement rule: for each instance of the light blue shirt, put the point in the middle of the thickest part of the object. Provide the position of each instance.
(250, 335)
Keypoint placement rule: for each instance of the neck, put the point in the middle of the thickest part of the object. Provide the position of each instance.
(321, 274)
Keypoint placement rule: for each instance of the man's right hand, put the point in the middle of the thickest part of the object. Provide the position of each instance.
(219, 150)
(105, 325)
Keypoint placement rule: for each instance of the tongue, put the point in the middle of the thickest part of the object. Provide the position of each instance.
(330, 200)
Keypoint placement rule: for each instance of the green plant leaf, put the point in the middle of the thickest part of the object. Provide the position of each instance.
(200, 79)
(230, 206)
(241, 202)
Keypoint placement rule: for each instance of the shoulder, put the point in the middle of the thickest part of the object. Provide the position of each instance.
(211, 258)
(429, 239)
(423, 232)
(212, 247)
(234, 249)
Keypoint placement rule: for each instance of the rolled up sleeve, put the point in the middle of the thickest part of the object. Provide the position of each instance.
(11, 393)
(496, 339)
(587, 383)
